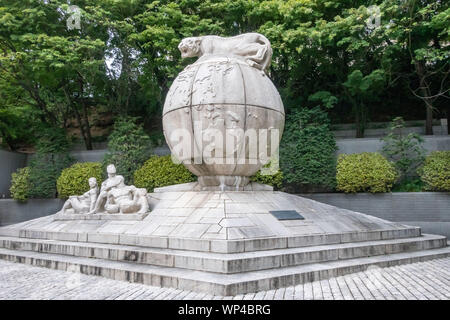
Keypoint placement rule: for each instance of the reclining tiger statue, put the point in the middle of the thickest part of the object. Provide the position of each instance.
(254, 48)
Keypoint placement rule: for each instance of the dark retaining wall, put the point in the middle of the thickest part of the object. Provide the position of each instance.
(428, 210)
(9, 163)
(12, 211)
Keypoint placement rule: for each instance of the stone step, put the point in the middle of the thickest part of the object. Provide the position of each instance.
(215, 283)
(29, 230)
(225, 263)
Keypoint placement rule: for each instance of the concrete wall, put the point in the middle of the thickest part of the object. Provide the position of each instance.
(381, 132)
(9, 163)
(429, 210)
(431, 143)
(12, 211)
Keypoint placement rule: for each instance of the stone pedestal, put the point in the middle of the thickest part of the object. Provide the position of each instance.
(218, 242)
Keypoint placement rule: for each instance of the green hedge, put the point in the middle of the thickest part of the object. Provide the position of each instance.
(307, 150)
(435, 172)
(365, 172)
(161, 171)
(74, 180)
(275, 180)
(20, 184)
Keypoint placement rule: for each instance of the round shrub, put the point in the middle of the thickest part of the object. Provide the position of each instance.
(161, 171)
(365, 172)
(275, 180)
(20, 184)
(435, 172)
(74, 180)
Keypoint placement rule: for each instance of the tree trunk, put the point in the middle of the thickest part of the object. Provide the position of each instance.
(425, 90)
(87, 128)
(448, 120)
(359, 125)
(429, 120)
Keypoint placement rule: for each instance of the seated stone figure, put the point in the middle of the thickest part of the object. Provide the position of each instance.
(84, 203)
(112, 181)
(126, 199)
(116, 197)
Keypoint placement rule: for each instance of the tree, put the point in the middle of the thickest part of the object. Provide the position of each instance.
(418, 34)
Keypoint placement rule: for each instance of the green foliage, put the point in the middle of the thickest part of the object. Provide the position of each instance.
(406, 151)
(129, 146)
(409, 185)
(323, 52)
(435, 172)
(275, 180)
(307, 150)
(20, 184)
(161, 171)
(51, 158)
(74, 180)
(364, 172)
(325, 98)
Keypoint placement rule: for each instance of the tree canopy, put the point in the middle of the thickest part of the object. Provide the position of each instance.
(359, 60)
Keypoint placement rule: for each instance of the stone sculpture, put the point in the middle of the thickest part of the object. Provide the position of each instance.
(112, 181)
(126, 199)
(114, 197)
(83, 203)
(219, 109)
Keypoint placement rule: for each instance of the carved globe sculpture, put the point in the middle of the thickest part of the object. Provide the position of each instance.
(223, 117)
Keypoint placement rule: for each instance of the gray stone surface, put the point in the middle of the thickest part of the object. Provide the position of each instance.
(12, 211)
(347, 132)
(431, 143)
(210, 216)
(417, 281)
(428, 210)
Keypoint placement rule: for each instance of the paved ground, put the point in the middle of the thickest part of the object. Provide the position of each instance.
(422, 280)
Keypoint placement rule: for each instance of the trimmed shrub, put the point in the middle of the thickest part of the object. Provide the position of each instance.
(307, 151)
(435, 172)
(52, 156)
(275, 180)
(20, 184)
(74, 180)
(129, 146)
(365, 172)
(161, 171)
(405, 150)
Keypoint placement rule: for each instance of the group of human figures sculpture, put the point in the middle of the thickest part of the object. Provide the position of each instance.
(114, 197)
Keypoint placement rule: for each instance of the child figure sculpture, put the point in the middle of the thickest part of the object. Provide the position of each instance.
(84, 203)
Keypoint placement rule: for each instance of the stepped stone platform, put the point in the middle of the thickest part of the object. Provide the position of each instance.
(220, 242)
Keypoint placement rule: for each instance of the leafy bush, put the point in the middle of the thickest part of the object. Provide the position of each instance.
(409, 185)
(406, 151)
(307, 150)
(52, 156)
(435, 172)
(74, 180)
(161, 171)
(365, 172)
(129, 146)
(275, 180)
(20, 184)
